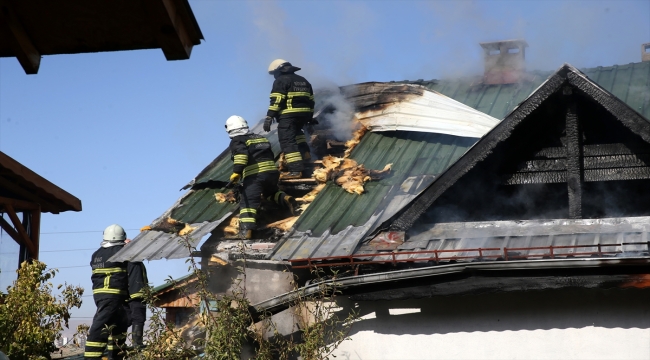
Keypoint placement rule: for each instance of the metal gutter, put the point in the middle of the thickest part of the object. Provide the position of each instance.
(282, 302)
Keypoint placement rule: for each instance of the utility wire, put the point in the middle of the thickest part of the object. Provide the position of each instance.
(67, 267)
(79, 232)
(68, 250)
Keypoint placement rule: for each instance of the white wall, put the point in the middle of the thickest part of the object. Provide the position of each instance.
(557, 324)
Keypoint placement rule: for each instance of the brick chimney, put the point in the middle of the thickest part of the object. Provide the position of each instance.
(645, 52)
(504, 61)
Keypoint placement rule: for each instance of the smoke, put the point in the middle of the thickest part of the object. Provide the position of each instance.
(335, 112)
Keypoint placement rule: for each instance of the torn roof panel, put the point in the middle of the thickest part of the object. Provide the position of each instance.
(336, 221)
(420, 109)
(156, 245)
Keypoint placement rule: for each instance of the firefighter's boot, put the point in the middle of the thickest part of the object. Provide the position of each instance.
(138, 333)
(291, 204)
(245, 234)
(290, 175)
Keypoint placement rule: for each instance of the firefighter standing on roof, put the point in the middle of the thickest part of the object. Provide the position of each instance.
(254, 163)
(292, 105)
(110, 291)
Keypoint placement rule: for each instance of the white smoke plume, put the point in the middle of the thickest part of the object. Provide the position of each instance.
(335, 112)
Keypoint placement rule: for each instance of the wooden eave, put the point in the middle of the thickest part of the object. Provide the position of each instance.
(25, 190)
(30, 29)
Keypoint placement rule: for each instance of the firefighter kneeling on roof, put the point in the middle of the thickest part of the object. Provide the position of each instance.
(254, 164)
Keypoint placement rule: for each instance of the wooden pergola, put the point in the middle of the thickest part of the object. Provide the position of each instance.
(24, 191)
(30, 29)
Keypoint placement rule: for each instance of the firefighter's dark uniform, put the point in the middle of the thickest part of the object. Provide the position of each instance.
(292, 104)
(254, 160)
(110, 291)
(135, 306)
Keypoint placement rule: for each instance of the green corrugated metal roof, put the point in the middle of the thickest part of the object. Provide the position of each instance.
(169, 284)
(411, 153)
(630, 83)
(201, 205)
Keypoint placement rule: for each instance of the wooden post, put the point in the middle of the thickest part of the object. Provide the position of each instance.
(35, 229)
(574, 157)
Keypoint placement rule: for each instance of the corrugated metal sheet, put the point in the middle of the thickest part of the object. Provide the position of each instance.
(630, 83)
(156, 245)
(409, 107)
(528, 239)
(335, 222)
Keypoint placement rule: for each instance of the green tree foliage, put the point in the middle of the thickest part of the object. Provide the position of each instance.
(31, 317)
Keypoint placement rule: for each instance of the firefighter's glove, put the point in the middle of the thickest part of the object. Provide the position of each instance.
(267, 123)
(234, 179)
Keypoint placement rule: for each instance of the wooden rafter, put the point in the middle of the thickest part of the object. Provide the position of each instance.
(21, 232)
(26, 53)
(173, 37)
(574, 159)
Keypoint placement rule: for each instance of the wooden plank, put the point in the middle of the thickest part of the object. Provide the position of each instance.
(632, 173)
(595, 150)
(172, 35)
(33, 252)
(10, 230)
(574, 159)
(542, 165)
(546, 177)
(23, 47)
(616, 161)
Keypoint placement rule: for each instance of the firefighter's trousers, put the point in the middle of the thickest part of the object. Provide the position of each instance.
(293, 142)
(110, 314)
(255, 186)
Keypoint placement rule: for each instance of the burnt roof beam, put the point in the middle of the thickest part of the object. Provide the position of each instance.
(171, 33)
(23, 47)
(574, 156)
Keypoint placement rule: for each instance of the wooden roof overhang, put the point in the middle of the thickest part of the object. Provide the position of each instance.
(22, 190)
(30, 29)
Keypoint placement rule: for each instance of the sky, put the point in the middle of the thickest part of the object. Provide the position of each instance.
(124, 131)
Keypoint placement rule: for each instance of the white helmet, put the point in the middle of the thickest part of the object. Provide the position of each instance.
(236, 122)
(277, 64)
(114, 233)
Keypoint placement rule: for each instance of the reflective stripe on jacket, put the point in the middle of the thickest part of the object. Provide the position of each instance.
(109, 278)
(252, 154)
(291, 95)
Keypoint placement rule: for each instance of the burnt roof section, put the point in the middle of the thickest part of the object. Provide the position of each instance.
(19, 182)
(564, 80)
(33, 28)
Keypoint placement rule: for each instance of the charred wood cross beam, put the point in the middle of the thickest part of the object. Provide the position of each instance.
(574, 157)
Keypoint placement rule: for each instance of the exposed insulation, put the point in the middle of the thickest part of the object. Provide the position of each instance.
(284, 224)
(282, 163)
(233, 226)
(347, 174)
(356, 139)
(186, 230)
(226, 197)
(145, 228)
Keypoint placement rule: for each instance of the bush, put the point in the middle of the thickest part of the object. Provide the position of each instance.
(31, 317)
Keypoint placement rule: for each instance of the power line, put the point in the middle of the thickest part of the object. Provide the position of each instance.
(67, 267)
(68, 250)
(79, 232)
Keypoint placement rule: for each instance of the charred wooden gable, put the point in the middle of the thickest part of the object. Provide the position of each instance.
(570, 150)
